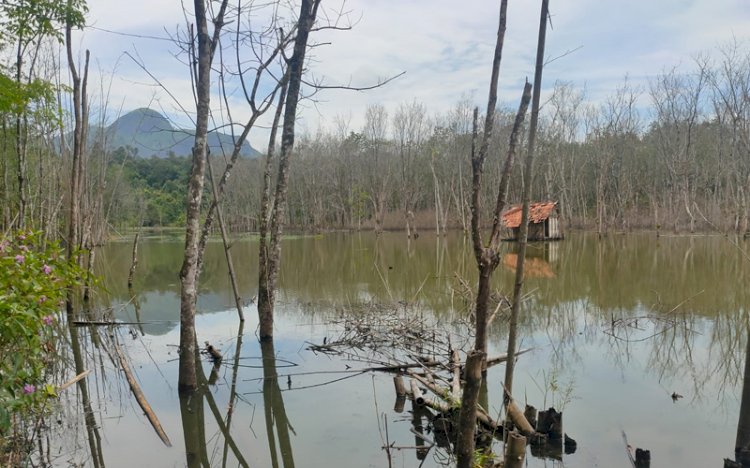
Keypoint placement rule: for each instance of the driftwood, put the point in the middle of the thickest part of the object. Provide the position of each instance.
(450, 402)
(456, 370)
(75, 379)
(102, 323)
(141, 398)
(504, 357)
(416, 394)
(519, 420)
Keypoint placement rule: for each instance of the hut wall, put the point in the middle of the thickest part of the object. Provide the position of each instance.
(536, 231)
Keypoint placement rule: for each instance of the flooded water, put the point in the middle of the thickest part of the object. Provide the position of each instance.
(616, 325)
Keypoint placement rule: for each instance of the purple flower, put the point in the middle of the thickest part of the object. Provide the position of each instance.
(22, 237)
(23, 248)
(20, 258)
(4, 245)
(29, 389)
(42, 299)
(47, 269)
(48, 319)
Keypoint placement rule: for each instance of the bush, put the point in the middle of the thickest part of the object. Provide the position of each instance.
(34, 278)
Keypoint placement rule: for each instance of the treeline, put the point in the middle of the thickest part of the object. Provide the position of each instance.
(672, 155)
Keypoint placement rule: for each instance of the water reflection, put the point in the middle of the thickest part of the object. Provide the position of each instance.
(620, 325)
(742, 442)
(193, 429)
(92, 429)
(617, 273)
(273, 404)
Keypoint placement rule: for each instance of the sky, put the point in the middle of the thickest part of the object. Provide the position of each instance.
(443, 47)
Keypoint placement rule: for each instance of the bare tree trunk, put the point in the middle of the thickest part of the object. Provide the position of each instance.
(21, 129)
(80, 113)
(267, 287)
(187, 382)
(468, 414)
(222, 227)
(484, 258)
(265, 291)
(528, 179)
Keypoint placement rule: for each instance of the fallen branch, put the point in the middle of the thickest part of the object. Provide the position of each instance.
(141, 398)
(504, 357)
(75, 379)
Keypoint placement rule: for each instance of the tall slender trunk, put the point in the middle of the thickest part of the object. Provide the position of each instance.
(269, 268)
(187, 382)
(527, 181)
(21, 144)
(265, 288)
(80, 116)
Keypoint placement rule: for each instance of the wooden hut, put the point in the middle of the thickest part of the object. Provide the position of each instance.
(544, 221)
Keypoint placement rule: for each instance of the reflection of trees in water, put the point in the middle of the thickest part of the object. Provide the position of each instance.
(192, 411)
(275, 412)
(74, 409)
(92, 429)
(618, 272)
(193, 430)
(676, 345)
(742, 442)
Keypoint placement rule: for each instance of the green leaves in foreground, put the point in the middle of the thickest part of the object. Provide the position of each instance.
(34, 278)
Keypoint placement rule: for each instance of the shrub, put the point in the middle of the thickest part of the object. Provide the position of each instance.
(34, 277)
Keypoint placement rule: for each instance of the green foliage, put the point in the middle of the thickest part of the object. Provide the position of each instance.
(26, 20)
(34, 278)
(159, 184)
(17, 98)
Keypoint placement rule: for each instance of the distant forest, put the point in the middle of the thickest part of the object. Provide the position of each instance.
(671, 155)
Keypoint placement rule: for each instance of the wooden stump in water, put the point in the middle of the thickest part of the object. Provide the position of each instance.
(530, 413)
(516, 445)
(570, 445)
(416, 393)
(551, 423)
(642, 458)
(398, 407)
(398, 384)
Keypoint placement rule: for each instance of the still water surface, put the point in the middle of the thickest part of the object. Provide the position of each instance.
(617, 325)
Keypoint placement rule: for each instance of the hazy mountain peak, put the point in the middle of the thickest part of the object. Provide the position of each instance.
(151, 133)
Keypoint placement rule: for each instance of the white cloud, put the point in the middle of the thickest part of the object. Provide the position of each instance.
(444, 47)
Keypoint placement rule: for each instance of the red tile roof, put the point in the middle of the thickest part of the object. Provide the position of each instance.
(538, 212)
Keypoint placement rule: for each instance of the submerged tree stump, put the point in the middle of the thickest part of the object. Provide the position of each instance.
(550, 423)
(530, 414)
(642, 458)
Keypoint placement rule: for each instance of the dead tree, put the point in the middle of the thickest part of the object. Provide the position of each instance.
(527, 180)
(487, 257)
(80, 115)
(269, 261)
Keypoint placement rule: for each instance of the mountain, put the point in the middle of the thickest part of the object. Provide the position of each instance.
(153, 134)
